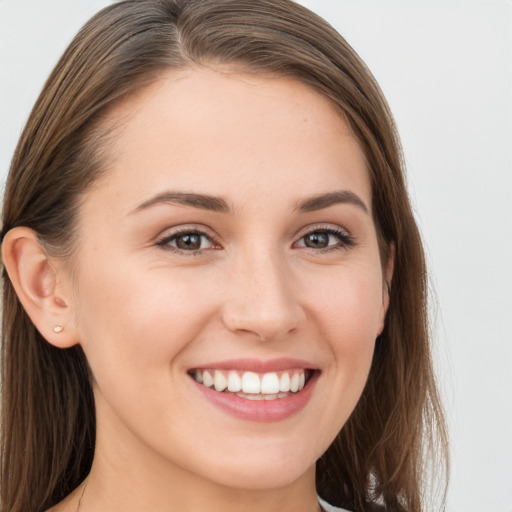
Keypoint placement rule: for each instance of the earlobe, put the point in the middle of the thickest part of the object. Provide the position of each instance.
(39, 290)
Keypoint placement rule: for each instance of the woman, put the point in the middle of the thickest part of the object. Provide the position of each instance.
(215, 292)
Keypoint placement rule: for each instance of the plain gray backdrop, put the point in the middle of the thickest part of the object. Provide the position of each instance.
(445, 67)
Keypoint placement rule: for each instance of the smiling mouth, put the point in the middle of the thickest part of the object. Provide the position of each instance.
(252, 385)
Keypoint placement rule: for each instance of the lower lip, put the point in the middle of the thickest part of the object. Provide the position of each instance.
(261, 411)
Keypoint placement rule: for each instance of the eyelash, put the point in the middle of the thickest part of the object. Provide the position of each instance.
(345, 241)
(164, 242)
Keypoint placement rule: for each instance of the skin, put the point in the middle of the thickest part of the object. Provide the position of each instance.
(145, 312)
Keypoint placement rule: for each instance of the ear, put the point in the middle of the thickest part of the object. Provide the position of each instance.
(387, 277)
(41, 289)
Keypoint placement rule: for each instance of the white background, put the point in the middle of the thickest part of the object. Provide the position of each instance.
(445, 67)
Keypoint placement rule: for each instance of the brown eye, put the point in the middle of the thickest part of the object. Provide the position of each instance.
(187, 241)
(317, 240)
(326, 240)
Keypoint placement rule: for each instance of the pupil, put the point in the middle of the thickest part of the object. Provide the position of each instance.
(317, 240)
(189, 242)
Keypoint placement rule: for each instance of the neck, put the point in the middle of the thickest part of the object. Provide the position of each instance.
(129, 476)
(133, 491)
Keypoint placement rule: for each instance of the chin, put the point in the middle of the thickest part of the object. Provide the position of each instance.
(263, 467)
(262, 476)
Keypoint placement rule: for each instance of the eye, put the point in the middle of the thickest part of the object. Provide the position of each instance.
(326, 239)
(190, 240)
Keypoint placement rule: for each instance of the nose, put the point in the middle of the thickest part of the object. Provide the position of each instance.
(261, 298)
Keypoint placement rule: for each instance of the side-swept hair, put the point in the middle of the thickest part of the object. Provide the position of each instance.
(48, 418)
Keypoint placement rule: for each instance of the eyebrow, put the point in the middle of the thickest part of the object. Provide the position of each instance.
(218, 204)
(202, 201)
(321, 201)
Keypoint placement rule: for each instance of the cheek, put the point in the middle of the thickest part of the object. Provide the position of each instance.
(348, 299)
(350, 308)
(348, 312)
(132, 321)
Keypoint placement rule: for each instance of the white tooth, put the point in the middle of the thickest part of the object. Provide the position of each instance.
(207, 379)
(270, 384)
(234, 382)
(294, 383)
(270, 397)
(302, 380)
(251, 397)
(198, 376)
(251, 383)
(284, 382)
(220, 382)
(282, 395)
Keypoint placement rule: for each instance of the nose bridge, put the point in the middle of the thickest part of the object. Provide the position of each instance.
(261, 296)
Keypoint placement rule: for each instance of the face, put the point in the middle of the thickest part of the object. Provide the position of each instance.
(230, 242)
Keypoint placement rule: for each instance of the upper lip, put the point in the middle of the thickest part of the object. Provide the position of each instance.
(258, 365)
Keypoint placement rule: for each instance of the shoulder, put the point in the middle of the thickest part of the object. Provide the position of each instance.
(331, 508)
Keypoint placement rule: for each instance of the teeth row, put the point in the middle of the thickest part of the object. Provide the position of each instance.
(252, 383)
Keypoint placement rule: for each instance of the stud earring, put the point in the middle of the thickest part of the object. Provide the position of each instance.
(57, 329)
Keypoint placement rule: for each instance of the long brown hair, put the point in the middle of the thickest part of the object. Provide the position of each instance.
(48, 418)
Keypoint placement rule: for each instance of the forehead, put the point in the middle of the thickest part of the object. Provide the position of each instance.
(233, 135)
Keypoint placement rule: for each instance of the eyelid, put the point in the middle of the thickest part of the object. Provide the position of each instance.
(167, 235)
(346, 240)
(311, 228)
